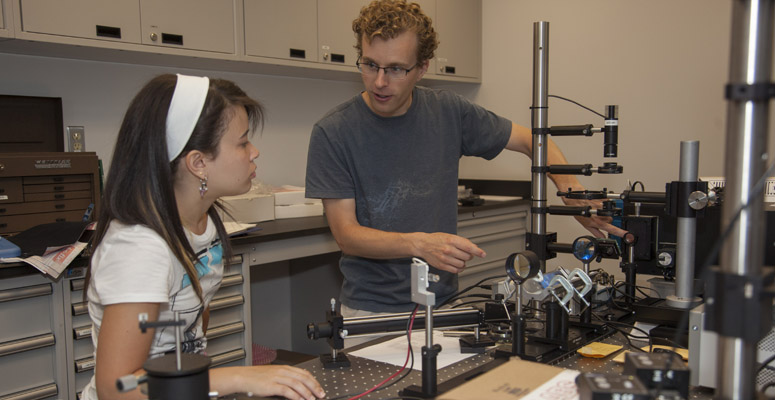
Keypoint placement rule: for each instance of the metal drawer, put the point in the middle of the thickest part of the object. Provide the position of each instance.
(40, 392)
(11, 190)
(19, 223)
(17, 305)
(57, 187)
(42, 180)
(44, 207)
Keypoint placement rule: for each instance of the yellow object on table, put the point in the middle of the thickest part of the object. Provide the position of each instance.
(598, 350)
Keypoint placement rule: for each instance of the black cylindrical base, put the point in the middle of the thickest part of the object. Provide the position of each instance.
(556, 322)
(165, 382)
(518, 335)
(429, 387)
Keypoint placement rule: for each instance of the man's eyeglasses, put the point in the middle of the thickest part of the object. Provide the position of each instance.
(395, 72)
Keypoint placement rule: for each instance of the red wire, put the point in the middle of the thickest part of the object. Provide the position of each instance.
(408, 353)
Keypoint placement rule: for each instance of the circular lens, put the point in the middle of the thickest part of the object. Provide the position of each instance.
(521, 266)
(585, 248)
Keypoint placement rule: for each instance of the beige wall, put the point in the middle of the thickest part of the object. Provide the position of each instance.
(664, 62)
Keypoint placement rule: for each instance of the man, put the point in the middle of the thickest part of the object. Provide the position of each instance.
(385, 164)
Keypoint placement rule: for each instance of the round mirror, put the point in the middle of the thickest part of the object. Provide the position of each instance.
(522, 266)
(585, 248)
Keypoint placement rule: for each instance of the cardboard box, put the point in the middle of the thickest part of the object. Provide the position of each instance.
(250, 207)
(289, 195)
(518, 379)
(299, 210)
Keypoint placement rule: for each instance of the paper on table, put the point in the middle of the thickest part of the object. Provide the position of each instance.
(394, 351)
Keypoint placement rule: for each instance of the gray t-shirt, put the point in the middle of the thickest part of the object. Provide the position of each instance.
(402, 172)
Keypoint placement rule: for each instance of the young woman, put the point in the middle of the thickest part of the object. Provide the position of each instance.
(160, 245)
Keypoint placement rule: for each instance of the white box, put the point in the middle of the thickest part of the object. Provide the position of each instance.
(288, 195)
(299, 210)
(250, 207)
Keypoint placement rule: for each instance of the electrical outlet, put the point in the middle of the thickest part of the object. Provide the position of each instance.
(76, 138)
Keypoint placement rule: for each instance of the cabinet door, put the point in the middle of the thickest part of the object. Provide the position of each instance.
(282, 29)
(336, 39)
(190, 24)
(459, 24)
(117, 20)
(5, 14)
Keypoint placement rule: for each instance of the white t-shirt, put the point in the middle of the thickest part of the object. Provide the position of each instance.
(133, 264)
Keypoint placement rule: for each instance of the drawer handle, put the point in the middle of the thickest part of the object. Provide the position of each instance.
(109, 31)
(337, 58)
(40, 392)
(223, 330)
(18, 346)
(236, 259)
(80, 308)
(59, 196)
(82, 332)
(2, 210)
(59, 188)
(76, 284)
(3, 225)
(25, 293)
(84, 364)
(231, 280)
(59, 206)
(168, 38)
(60, 220)
(298, 53)
(225, 302)
(225, 358)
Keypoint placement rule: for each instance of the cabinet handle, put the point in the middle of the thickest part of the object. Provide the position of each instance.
(224, 358)
(84, 364)
(449, 70)
(3, 225)
(59, 206)
(25, 293)
(59, 188)
(236, 259)
(223, 330)
(298, 53)
(168, 38)
(40, 392)
(109, 31)
(2, 190)
(83, 332)
(60, 220)
(76, 284)
(2, 210)
(80, 308)
(231, 280)
(225, 302)
(18, 346)
(59, 196)
(337, 58)
(59, 178)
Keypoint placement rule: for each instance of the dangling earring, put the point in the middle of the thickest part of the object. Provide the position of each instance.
(202, 186)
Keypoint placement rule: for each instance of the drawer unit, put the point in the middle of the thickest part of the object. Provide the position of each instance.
(31, 339)
(40, 188)
(229, 337)
(499, 232)
(80, 352)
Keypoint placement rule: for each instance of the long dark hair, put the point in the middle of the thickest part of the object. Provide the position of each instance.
(139, 186)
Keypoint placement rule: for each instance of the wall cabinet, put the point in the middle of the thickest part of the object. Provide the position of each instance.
(191, 24)
(269, 31)
(305, 38)
(6, 29)
(89, 19)
(459, 25)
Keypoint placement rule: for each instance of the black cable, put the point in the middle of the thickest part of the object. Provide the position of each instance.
(408, 371)
(642, 188)
(465, 303)
(578, 104)
(474, 286)
(765, 363)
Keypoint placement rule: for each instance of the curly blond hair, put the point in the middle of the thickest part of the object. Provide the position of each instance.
(387, 19)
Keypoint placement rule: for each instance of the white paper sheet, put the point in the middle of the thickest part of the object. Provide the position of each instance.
(394, 351)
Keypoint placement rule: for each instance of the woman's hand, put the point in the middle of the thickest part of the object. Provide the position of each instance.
(267, 380)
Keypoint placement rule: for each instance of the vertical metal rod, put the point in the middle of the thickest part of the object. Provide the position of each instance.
(539, 123)
(429, 326)
(686, 232)
(178, 361)
(746, 159)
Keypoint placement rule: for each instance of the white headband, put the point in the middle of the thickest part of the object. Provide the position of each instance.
(187, 102)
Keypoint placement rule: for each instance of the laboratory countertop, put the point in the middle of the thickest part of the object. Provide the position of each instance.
(269, 231)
